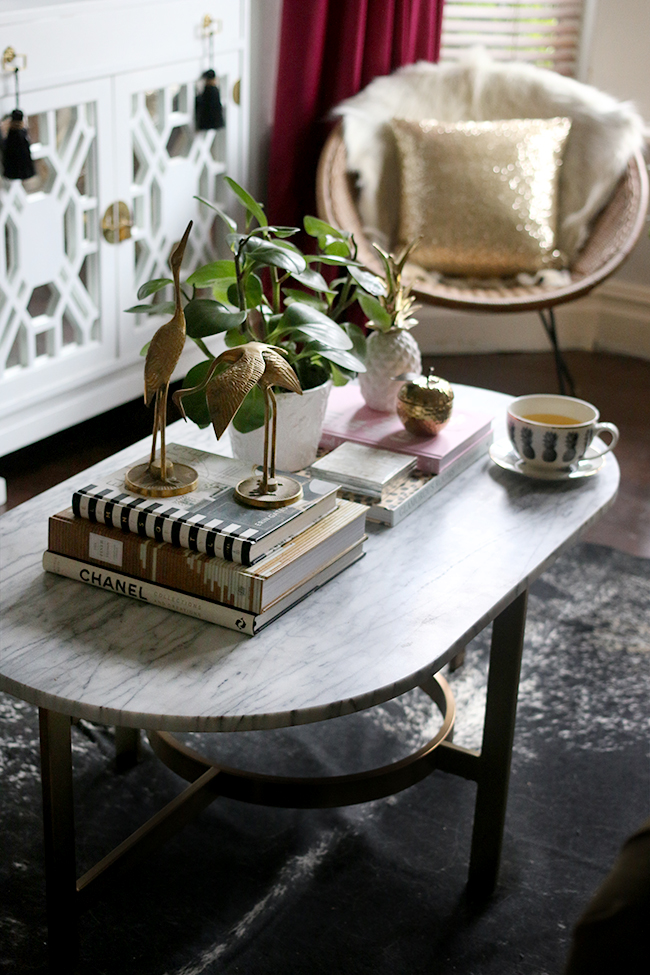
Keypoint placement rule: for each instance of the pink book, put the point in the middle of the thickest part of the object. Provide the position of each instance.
(348, 418)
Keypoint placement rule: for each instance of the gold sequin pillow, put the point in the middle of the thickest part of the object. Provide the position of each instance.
(483, 196)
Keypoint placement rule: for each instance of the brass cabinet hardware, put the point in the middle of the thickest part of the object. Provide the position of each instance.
(236, 92)
(210, 26)
(9, 55)
(117, 222)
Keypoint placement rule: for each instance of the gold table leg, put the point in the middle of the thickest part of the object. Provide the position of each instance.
(127, 741)
(490, 768)
(58, 826)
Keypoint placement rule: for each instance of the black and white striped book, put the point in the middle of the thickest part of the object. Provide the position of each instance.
(209, 519)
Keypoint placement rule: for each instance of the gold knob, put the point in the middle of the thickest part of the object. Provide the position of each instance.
(117, 223)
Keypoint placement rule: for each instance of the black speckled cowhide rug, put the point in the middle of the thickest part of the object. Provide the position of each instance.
(378, 888)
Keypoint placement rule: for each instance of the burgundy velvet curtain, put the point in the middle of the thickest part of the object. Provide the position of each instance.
(329, 50)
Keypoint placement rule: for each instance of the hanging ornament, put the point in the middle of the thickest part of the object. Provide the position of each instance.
(16, 156)
(209, 111)
(208, 107)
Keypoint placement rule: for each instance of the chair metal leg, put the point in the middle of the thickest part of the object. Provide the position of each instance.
(496, 751)
(58, 825)
(564, 377)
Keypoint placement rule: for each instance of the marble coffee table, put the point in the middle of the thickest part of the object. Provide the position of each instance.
(389, 623)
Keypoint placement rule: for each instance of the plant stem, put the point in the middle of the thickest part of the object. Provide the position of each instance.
(342, 300)
(241, 294)
(275, 286)
(203, 347)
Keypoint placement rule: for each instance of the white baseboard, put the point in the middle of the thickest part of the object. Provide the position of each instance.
(613, 318)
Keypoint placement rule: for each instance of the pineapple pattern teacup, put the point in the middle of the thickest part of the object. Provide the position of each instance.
(553, 432)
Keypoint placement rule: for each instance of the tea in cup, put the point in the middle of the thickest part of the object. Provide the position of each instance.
(552, 432)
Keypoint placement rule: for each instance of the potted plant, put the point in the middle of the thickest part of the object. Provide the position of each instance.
(390, 349)
(270, 291)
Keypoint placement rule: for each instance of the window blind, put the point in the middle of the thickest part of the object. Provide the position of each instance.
(545, 33)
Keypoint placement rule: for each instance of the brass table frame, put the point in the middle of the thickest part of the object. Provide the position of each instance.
(67, 896)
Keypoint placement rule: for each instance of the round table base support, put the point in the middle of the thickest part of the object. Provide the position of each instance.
(312, 792)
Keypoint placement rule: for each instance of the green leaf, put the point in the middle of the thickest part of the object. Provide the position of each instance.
(318, 228)
(142, 309)
(337, 248)
(250, 415)
(340, 376)
(345, 359)
(283, 231)
(294, 294)
(204, 276)
(203, 317)
(234, 240)
(234, 338)
(253, 290)
(230, 223)
(313, 279)
(164, 308)
(331, 259)
(370, 282)
(253, 207)
(358, 338)
(150, 287)
(196, 406)
(308, 321)
(265, 252)
(375, 311)
(145, 348)
(312, 371)
(324, 337)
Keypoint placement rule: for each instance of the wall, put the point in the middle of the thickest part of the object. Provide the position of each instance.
(624, 28)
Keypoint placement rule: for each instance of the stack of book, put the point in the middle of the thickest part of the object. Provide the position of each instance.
(358, 444)
(203, 553)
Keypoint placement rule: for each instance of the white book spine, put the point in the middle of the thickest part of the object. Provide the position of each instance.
(102, 578)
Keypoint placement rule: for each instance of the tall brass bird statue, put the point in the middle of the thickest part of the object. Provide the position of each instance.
(252, 364)
(163, 354)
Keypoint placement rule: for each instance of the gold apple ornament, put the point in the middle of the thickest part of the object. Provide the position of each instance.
(424, 404)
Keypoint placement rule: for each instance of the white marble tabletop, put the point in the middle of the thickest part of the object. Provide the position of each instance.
(388, 622)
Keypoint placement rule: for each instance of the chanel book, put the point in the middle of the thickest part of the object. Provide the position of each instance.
(203, 609)
(254, 588)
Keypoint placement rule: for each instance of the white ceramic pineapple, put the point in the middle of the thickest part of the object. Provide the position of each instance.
(388, 354)
(390, 348)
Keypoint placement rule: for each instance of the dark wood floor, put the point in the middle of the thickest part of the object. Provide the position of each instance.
(618, 385)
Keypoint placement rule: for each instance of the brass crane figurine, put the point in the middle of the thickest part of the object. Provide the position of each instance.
(252, 364)
(163, 478)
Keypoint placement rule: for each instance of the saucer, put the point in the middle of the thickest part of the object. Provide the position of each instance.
(503, 454)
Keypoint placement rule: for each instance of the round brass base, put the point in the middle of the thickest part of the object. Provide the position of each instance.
(180, 480)
(287, 491)
(309, 792)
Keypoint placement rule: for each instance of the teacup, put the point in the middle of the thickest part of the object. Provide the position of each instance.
(554, 432)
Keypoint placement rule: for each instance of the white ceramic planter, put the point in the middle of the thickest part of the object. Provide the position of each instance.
(388, 354)
(300, 424)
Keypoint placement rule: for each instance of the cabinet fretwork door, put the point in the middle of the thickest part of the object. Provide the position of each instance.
(164, 164)
(56, 291)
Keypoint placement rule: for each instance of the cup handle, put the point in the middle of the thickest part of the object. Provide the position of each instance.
(610, 428)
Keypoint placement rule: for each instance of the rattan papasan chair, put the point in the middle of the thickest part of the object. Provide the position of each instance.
(609, 234)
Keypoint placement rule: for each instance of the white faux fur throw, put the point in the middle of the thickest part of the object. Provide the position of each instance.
(604, 132)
